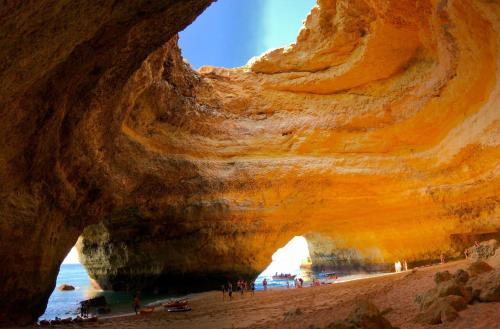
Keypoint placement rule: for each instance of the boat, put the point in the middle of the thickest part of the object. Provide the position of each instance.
(91, 319)
(146, 310)
(331, 276)
(184, 308)
(176, 303)
(283, 277)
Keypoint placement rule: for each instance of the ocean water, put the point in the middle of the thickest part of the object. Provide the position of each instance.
(66, 303)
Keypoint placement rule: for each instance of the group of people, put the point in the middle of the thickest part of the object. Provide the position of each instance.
(298, 282)
(401, 266)
(241, 286)
(468, 251)
(84, 309)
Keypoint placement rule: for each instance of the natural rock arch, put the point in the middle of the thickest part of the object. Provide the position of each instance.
(379, 129)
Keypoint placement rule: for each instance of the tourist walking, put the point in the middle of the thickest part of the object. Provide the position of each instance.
(264, 283)
(252, 287)
(223, 287)
(137, 304)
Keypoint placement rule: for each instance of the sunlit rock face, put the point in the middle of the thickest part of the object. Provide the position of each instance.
(378, 130)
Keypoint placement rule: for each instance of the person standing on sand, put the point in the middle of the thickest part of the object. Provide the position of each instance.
(264, 283)
(137, 304)
(301, 282)
(252, 287)
(223, 287)
(242, 288)
(441, 258)
(230, 290)
(397, 266)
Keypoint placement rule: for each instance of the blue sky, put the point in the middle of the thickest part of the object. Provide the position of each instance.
(230, 32)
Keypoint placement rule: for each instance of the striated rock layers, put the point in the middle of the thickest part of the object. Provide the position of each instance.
(379, 131)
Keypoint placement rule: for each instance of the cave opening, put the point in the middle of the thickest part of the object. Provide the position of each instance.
(73, 274)
(291, 259)
(229, 33)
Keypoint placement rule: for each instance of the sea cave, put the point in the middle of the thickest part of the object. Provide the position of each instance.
(375, 136)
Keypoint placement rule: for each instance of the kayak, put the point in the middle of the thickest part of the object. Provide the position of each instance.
(91, 319)
(176, 303)
(146, 310)
(179, 309)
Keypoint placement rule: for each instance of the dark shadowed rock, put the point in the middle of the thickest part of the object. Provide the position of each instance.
(440, 311)
(66, 287)
(442, 276)
(457, 302)
(452, 287)
(486, 286)
(479, 267)
(461, 276)
(365, 316)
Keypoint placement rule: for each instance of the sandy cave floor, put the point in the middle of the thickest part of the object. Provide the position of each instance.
(319, 305)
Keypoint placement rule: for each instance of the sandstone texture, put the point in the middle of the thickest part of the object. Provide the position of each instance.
(441, 304)
(377, 134)
(483, 250)
(364, 316)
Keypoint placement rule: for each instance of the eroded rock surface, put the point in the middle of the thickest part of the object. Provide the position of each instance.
(378, 129)
(364, 316)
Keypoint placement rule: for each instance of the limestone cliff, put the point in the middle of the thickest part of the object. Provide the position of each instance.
(379, 130)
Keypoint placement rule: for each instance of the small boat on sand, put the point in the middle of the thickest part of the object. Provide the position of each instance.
(184, 308)
(146, 310)
(331, 276)
(176, 303)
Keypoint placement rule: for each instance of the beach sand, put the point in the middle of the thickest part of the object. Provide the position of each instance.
(319, 306)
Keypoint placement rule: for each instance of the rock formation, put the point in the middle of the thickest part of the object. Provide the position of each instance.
(452, 294)
(379, 129)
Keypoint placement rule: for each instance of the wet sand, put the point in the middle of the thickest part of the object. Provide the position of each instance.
(319, 306)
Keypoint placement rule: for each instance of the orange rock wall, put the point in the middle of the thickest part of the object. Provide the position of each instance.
(379, 129)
